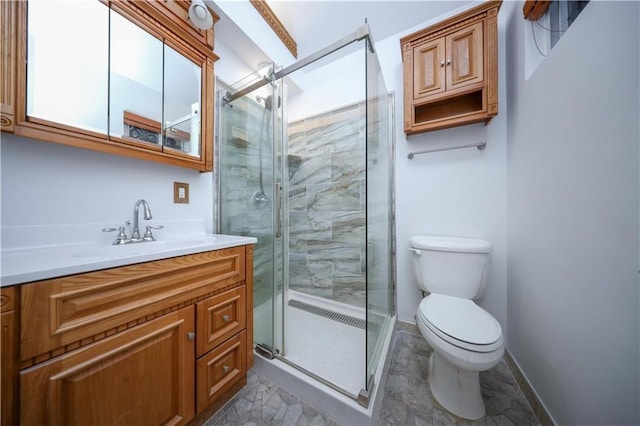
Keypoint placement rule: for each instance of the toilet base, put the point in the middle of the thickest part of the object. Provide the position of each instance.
(456, 390)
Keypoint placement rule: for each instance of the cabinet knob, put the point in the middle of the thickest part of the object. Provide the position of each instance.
(442, 64)
(226, 318)
(191, 335)
(449, 62)
(226, 368)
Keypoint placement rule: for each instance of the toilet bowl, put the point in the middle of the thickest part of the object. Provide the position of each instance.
(462, 347)
(465, 338)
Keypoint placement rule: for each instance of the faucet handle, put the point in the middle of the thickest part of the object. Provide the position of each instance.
(148, 236)
(122, 236)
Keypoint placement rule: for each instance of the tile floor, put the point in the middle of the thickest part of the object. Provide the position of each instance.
(407, 399)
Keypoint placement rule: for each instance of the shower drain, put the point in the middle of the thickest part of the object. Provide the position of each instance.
(326, 313)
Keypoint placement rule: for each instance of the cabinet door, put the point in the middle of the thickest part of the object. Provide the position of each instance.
(428, 68)
(142, 376)
(465, 57)
(8, 346)
(220, 317)
(67, 66)
(220, 369)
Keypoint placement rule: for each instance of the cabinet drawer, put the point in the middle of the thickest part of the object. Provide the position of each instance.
(220, 369)
(63, 311)
(220, 317)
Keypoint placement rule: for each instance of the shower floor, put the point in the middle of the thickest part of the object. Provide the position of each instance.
(330, 349)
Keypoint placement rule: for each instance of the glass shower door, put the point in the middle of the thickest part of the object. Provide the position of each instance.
(249, 193)
(328, 241)
(379, 177)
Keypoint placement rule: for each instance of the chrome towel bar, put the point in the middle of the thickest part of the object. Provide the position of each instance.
(479, 145)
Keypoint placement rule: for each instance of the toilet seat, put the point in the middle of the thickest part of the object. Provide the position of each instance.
(461, 323)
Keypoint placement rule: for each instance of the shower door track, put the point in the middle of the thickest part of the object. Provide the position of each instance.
(360, 34)
(362, 398)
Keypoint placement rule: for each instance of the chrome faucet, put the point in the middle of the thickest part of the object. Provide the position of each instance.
(135, 233)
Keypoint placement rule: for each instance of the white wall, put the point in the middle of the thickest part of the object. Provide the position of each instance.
(47, 184)
(573, 196)
(230, 68)
(459, 192)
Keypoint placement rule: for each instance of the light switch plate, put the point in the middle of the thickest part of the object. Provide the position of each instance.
(180, 193)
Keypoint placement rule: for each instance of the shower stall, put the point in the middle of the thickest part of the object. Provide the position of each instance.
(305, 159)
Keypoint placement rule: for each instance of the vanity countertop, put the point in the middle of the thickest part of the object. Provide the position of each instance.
(27, 264)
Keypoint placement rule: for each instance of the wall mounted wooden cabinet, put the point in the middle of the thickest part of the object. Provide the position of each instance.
(451, 71)
(162, 342)
(78, 82)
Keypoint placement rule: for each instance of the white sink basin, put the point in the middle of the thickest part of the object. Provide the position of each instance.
(27, 264)
(134, 249)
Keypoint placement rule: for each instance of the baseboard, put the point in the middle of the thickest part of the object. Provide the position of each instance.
(408, 327)
(537, 406)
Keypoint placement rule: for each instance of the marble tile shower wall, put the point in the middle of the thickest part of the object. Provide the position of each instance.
(327, 256)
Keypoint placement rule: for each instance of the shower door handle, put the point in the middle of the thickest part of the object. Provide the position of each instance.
(278, 210)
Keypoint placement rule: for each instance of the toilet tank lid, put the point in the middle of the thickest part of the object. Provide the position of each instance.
(450, 243)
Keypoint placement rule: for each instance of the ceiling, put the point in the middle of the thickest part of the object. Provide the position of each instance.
(315, 24)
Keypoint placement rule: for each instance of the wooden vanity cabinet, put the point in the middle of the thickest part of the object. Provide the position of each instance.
(9, 351)
(450, 71)
(161, 342)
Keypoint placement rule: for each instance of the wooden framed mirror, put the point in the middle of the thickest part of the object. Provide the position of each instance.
(128, 78)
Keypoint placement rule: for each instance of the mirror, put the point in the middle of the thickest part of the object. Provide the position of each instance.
(102, 74)
(67, 63)
(182, 83)
(135, 78)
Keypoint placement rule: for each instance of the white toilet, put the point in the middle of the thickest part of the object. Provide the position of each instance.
(465, 338)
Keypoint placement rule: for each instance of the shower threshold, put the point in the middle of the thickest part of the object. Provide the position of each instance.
(344, 406)
(323, 361)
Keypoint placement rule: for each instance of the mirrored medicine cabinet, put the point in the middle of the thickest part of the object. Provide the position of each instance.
(132, 78)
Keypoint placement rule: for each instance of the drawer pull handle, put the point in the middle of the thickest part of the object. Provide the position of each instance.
(191, 335)
(226, 368)
(226, 318)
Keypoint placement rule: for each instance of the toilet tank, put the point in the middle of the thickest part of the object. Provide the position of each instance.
(453, 266)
